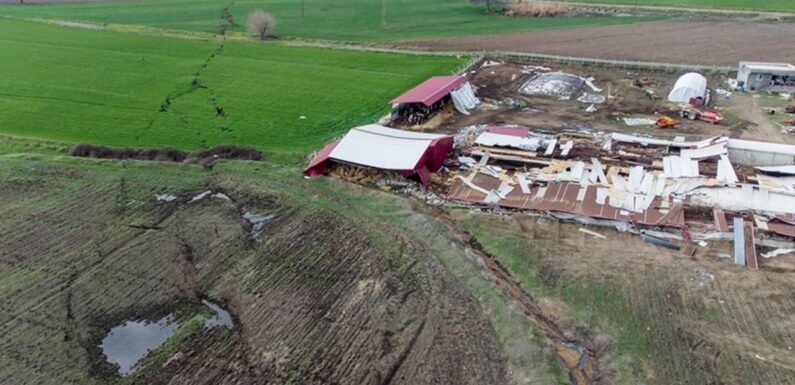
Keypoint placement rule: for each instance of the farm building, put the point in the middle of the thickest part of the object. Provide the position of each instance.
(419, 103)
(384, 148)
(690, 86)
(774, 77)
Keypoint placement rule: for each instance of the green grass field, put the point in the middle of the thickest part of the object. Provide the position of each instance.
(349, 20)
(117, 89)
(763, 5)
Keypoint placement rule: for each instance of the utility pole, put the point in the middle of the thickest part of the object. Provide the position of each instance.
(383, 14)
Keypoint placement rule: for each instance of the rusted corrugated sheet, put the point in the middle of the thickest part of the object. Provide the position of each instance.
(562, 197)
(750, 246)
(720, 220)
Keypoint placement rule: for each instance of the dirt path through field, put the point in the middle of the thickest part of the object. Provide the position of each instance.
(704, 42)
(628, 7)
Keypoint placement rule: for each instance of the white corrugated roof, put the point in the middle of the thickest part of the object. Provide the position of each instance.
(726, 170)
(492, 139)
(746, 197)
(784, 170)
(383, 147)
(772, 67)
(678, 167)
(381, 130)
(750, 145)
(710, 151)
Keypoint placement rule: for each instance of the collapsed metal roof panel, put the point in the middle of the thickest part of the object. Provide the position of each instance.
(383, 147)
(778, 170)
(431, 90)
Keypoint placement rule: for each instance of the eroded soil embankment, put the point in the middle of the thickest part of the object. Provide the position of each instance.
(575, 354)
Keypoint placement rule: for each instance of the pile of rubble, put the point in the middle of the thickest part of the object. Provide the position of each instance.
(676, 189)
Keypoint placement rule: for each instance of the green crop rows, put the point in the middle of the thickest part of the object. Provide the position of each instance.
(352, 20)
(117, 89)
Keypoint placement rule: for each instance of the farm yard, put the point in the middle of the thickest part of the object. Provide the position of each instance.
(495, 217)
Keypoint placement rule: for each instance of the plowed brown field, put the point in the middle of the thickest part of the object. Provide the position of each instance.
(705, 42)
(320, 300)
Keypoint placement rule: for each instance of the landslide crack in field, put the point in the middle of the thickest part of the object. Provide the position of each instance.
(196, 84)
(580, 360)
(404, 354)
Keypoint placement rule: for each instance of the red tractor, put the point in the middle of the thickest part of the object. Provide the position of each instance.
(706, 116)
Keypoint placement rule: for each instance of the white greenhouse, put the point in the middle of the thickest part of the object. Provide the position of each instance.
(690, 85)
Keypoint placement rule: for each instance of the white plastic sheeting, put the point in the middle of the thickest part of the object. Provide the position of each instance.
(464, 98)
(690, 85)
(382, 147)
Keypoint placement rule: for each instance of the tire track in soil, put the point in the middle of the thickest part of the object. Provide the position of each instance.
(580, 360)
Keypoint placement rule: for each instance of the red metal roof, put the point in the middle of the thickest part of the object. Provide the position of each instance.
(431, 90)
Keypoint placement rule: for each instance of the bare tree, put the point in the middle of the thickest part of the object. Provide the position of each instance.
(260, 24)
(488, 3)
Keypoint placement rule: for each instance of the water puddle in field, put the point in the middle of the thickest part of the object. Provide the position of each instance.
(221, 317)
(127, 344)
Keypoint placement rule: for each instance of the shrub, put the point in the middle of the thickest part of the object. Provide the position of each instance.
(539, 9)
(206, 157)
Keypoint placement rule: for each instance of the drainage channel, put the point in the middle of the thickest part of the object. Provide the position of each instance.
(579, 360)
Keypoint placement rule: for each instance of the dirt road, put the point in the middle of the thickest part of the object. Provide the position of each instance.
(701, 42)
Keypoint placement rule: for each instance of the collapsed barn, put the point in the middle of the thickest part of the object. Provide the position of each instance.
(699, 184)
(438, 93)
(411, 154)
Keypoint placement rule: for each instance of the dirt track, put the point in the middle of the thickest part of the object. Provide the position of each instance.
(687, 42)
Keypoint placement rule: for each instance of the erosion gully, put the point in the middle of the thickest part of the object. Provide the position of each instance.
(579, 359)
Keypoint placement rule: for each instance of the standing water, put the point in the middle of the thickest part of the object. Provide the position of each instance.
(127, 344)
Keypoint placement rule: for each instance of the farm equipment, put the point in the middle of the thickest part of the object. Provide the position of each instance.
(706, 116)
(666, 122)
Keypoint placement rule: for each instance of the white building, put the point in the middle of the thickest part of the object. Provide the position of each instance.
(778, 77)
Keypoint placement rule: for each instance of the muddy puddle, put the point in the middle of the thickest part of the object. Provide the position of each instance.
(128, 343)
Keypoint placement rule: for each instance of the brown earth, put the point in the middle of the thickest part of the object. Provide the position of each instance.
(498, 89)
(706, 42)
(321, 300)
(684, 320)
